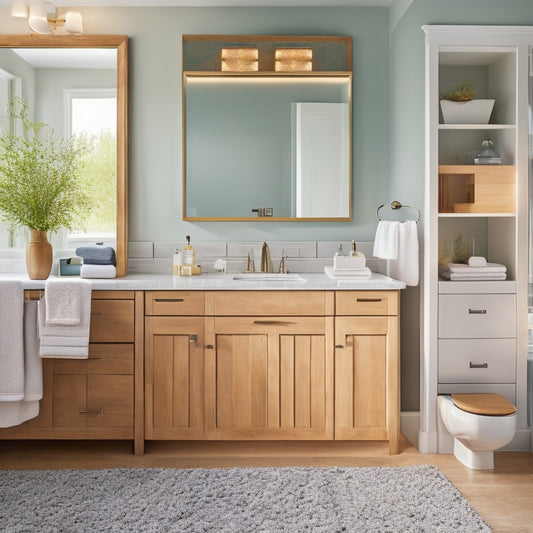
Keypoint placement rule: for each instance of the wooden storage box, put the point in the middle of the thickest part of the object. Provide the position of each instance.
(477, 189)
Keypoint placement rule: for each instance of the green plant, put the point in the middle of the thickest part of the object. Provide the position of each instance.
(464, 94)
(39, 185)
(458, 251)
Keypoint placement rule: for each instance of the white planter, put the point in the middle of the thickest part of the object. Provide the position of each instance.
(472, 112)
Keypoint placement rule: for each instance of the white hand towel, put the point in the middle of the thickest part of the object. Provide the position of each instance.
(11, 341)
(15, 413)
(405, 267)
(64, 298)
(386, 239)
(98, 271)
(80, 330)
(33, 366)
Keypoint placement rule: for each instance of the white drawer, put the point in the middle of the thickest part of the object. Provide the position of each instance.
(463, 316)
(506, 389)
(477, 360)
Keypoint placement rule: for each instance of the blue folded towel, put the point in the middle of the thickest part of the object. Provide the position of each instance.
(97, 254)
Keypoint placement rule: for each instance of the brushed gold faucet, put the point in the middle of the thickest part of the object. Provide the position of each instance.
(266, 261)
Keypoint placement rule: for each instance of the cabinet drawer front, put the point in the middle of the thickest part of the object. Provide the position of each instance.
(259, 303)
(112, 321)
(103, 359)
(174, 303)
(463, 316)
(366, 303)
(109, 401)
(270, 324)
(477, 361)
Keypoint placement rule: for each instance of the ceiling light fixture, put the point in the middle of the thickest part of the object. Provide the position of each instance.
(42, 17)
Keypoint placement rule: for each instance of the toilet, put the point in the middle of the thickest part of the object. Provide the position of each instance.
(479, 424)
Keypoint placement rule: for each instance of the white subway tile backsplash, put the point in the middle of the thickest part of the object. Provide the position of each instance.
(202, 249)
(305, 257)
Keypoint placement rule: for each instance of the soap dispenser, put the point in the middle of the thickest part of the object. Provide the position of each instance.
(189, 255)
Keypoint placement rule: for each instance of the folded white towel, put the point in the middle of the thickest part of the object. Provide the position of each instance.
(64, 352)
(405, 266)
(363, 273)
(11, 341)
(64, 299)
(460, 268)
(474, 277)
(98, 271)
(386, 239)
(66, 341)
(15, 413)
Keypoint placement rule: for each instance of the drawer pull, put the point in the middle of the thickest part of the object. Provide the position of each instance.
(339, 346)
(208, 346)
(99, 312)
(272, 323)
(369, 299)
(477, 311)
(479, 365)
(169, 300)
(194, 339)
(91, 412)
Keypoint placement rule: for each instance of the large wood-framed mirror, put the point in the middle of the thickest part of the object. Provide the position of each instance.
(107, 56)
(265, 141)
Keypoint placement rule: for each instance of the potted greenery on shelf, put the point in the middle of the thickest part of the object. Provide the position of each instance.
(459, 107)
(39, 184)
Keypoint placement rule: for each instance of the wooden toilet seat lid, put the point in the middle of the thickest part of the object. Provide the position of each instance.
(484, 404)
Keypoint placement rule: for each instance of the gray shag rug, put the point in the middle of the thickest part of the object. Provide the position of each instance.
(407, 499)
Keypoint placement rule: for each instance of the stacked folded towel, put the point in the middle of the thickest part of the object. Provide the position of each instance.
(460, 272)
(98, 261)
(348, 268)
(64, 319)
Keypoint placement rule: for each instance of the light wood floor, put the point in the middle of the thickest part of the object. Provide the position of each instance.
(503, 497)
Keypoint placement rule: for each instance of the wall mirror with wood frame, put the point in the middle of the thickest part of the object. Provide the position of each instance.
(267, 128)
(77, 84)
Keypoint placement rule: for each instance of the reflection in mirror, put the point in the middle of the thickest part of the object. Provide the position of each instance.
(77, 86)
(274, 145)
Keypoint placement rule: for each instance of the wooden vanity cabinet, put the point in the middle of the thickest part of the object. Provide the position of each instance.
(269, 365)
(90, 398)
(367, 372)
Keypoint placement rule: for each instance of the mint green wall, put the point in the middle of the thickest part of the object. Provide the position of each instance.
(155, 106)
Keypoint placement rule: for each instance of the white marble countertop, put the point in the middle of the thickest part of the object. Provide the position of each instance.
(221, 282)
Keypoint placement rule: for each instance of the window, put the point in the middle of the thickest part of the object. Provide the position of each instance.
(92, 113)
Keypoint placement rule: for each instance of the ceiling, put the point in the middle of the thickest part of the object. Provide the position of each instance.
(214, 3)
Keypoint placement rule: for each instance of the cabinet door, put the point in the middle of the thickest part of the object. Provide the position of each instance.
(269, 378)
(366, 379)
(174, 377)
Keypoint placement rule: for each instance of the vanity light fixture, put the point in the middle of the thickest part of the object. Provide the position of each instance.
(239, 59)
(293, 60)
(42, 17)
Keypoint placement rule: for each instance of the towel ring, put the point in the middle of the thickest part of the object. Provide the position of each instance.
(397, 205)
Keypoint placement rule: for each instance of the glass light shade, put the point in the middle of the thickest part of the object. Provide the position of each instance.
(73, 22)
(38, 19)
(19, 9)
(239, 59)
(293, 60)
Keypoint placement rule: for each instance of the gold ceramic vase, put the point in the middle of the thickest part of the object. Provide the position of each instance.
(38, 255)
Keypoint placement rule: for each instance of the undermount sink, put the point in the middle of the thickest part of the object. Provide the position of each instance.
(268, 276)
